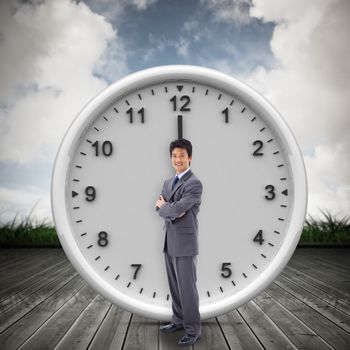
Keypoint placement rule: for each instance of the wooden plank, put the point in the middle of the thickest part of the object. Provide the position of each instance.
(142, 334)
(326, 277)
(19, 264)
(325, 263)
(12, 254)
(14, 299)
(306, 307)
(267, 332)
(20, 285)
(112, 332)
(237, 332)
(337, 255)
(212, 337)
(322, 275)
(12, 257)
(318, 292)
(168, 341)
(20, 331)
(337, 293)
(19, 310)
(331, 333)
(80, 334)
(301, 335)
(336, 316)
(19, 274)
(55, 327)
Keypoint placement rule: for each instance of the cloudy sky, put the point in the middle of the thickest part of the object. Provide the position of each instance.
(55, 55)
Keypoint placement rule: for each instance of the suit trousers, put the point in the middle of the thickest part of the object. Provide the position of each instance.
(182, 279)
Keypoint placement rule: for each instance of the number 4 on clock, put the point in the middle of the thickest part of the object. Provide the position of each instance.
(259, 237)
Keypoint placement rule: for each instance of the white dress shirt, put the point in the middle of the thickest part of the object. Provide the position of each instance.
(183, 173)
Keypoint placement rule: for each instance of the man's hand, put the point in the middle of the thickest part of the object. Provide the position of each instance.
(161, 201)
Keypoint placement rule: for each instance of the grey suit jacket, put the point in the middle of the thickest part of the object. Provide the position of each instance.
(181, 238)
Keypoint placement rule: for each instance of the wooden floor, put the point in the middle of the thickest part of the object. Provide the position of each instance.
(46, 305)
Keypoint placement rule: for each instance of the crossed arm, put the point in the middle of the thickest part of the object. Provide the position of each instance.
(161, 201)
(176, 209)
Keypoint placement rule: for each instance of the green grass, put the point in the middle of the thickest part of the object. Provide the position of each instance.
(27, 232)
(327, 230)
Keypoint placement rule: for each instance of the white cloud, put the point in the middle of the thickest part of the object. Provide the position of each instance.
(159, 44)
(49, 54)
(182, 47)
(27, 202)
(329, 173)
(55, 55)
(142, 4)
(229, 10)
(156, 45)
(310, 87)
(114, 11)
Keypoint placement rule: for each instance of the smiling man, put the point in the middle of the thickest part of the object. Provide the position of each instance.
(179, 205)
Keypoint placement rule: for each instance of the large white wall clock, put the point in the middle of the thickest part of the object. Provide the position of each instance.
(114, 158)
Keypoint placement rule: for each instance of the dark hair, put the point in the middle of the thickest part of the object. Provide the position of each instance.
(181, 143)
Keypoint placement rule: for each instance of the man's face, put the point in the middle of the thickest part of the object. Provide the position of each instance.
(180, 159)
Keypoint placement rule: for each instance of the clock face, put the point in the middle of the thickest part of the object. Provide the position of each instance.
(111, 166)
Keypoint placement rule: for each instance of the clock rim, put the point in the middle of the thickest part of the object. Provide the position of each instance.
(139, 80)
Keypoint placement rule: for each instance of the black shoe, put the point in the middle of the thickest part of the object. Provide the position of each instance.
(171, 327)
(188, 339)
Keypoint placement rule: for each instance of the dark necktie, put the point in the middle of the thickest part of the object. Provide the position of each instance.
(174, 182)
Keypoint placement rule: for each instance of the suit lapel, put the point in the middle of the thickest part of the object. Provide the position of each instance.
(179, 183)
